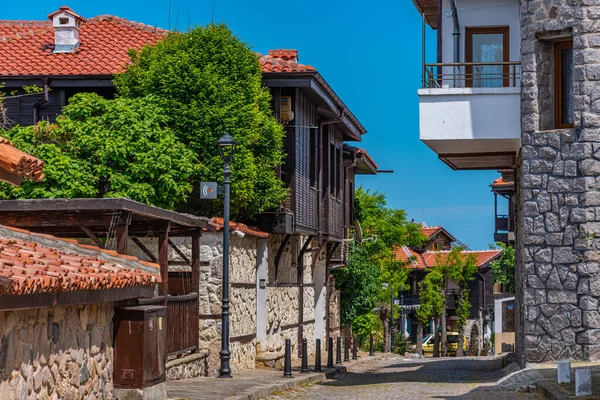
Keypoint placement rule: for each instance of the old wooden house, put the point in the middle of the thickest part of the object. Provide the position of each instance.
(297, 245)
(482, 290)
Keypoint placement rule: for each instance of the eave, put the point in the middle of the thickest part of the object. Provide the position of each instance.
(430, 9)
(316, 86)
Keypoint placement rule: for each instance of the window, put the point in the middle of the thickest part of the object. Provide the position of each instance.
(563, 85)
(487, 45)
(332, 168)
(314, 164)
(340, 175)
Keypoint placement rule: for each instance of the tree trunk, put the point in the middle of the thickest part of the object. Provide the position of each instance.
(436, 338)
(461, 342)
(419, 349)
(384, 315)
(443, 322)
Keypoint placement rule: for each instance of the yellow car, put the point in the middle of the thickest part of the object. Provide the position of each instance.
(452, 339)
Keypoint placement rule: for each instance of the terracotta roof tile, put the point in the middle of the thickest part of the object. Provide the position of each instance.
(32, 263)
(26, 47)
(218, 223)
(283, 61)
(19, 163)
(429, 259)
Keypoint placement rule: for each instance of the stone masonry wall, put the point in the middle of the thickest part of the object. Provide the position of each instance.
(57, 353)
(558, 255)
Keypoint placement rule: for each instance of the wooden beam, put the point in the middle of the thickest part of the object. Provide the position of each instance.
(146, 250)
(123, 233)
(196, 261)
(180, 253)
(60, 299)
(91, 235)
(163, 260)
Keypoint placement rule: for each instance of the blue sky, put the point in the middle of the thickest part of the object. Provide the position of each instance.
(370, 53)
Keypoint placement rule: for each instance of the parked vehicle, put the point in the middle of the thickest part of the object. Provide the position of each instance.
(452, 339)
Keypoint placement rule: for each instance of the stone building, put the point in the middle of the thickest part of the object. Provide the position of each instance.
(266, 304)
(532, 68)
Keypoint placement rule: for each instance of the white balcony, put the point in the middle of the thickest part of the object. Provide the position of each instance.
(472, 127)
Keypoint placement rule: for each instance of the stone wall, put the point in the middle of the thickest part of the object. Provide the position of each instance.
(57, 353)
(558, 275)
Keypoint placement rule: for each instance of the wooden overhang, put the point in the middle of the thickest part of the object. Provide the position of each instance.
(318, 90)
(480, 161)
(66, 217)
(430, 9)
(118, 218)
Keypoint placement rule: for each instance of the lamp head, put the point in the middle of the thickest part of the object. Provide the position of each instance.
(226, 147)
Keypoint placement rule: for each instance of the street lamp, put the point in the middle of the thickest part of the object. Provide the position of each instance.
(490, 318)
(226, 147)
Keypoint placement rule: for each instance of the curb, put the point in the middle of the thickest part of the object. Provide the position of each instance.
(297, 380)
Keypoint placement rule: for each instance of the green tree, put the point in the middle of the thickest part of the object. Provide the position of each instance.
(373, 261)
(504, 267)
(210, 82)
(461, 270)
(107, 148)
(432, 303)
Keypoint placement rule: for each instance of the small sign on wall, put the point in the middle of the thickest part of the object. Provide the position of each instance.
(285, 108)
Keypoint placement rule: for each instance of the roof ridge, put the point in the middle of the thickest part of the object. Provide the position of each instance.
(126, 22)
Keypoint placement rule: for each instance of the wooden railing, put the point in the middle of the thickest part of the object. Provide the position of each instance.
(472, 75)
(182, 321)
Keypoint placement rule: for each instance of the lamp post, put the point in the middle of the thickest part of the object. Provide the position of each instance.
(385, 286)
(226, 147)
(491, 319)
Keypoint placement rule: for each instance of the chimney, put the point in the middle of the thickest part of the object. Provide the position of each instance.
(287, 55)
(66, 26)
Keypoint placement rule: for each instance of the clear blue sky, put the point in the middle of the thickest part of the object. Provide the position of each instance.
(370, 53)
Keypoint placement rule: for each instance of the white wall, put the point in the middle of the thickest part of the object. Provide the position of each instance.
(480, 13)
(470, 120)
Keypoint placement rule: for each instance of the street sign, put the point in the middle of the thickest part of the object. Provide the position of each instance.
(208, 190)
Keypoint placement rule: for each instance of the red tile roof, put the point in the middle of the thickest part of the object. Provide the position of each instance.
(26, 47)
(500, 182)
(32, 263)
(429, 259)
(283, 61)
(218, 223)
(19, 163)
(429, 231)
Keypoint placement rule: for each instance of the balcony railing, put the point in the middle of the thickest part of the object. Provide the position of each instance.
(182, 321)
(472, 75)
(501, 223)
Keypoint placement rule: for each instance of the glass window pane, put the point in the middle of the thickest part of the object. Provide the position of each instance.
(488, 48)
(567, 94)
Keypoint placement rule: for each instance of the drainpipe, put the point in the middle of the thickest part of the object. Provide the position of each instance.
(41, 101)
(456, 36)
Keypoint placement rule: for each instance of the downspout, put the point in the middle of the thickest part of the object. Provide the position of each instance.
(41, 101)
(456, 36)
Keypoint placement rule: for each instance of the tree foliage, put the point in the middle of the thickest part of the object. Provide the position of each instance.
(504, 267)
(373, 261)
(107, 148)
(211, 83)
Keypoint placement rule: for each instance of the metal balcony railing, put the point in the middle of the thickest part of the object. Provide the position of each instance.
(472, 75)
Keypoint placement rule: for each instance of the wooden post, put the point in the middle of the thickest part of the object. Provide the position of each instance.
(123, 233)
(163, 260)
(196, 284)
(196, 260)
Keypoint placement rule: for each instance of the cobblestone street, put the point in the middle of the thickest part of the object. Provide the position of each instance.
(465, 378)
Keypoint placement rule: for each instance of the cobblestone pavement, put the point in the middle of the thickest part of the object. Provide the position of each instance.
(465, 378)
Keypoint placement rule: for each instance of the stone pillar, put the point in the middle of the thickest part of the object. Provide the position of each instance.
(261, 294)
(558, 274)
